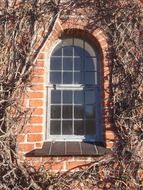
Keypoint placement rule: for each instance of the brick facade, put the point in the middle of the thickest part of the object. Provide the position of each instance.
(34, 134)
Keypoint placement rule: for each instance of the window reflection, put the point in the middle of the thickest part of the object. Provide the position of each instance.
(55, 127)
(67, 97)
(67, 127)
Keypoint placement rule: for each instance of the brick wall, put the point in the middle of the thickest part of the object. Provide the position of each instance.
(34, 134)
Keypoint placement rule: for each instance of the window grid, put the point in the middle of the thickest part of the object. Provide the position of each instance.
(76, 88)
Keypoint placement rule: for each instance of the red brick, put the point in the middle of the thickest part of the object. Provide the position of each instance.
(36, 119)
(34, 129)
(41, 56)
(20, 138)
(34, 137)
(37, 87)
(36, 103)
(26, 147)
(55, 166)
(38, 79)
(38, 72)
(33, 95)
(37, 111)
(74, 164)
(40, 64)
(109, 135)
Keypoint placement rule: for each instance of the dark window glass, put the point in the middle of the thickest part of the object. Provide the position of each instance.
(89, 97)
(67, 97)
(56, 112)
(89, 64)
(55, 97)
(78, 112)
(68, 51)
(55, 128)
(67, 112)
(77, 77)
(77, 64)
(78, 51)
(57, 52)
(89, 78)
(90, 127)
(67, 127)
(78, 127)
(67, 78)
(90, 112)
(78, 97)
(67, 63)
(56, 63)
(55, 77)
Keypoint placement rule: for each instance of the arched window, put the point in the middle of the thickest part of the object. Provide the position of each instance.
(74, 108)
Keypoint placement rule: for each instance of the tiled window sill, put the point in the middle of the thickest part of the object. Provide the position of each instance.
(69, 149)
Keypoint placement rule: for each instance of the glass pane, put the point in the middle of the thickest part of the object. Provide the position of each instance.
(56, 63)
(56, 112)
(77, 64)
(67, 63)
(90, 49)
(90, 127)
(67, 97)
(90, 64)
(55, 128)
(78, 127)
(90, 112)
(77, 77)
(55, 97)
(78, 51)
(67, 78)
(55, 77)
(68, 51)
(67, 112)
(78, 97)
(57, 51)
(90, 78)
(78, 112)
(67, 127)
(89, 97)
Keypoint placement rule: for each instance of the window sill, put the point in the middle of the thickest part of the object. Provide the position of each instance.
(69, 149)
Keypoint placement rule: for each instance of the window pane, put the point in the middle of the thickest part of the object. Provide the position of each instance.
(56, 63)
(89, 97)
(78, 112)
(55, 77)
(67, 112)
(68, 51)
(67, 78)
(58, 51)
(78, 51)
(77, 77)
(56, 112)
(90, 112)
(77, 64)
(55, 97)
(90, 127)
(78, 127)
(67, 63)
(90, 64)
(67, 127)
(90, 78)
(78, 97)
(55, 128)
(67, 97)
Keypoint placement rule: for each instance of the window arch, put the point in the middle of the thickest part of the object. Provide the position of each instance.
(74, 107)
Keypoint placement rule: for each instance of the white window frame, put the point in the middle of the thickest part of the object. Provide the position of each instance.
(49, 87)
